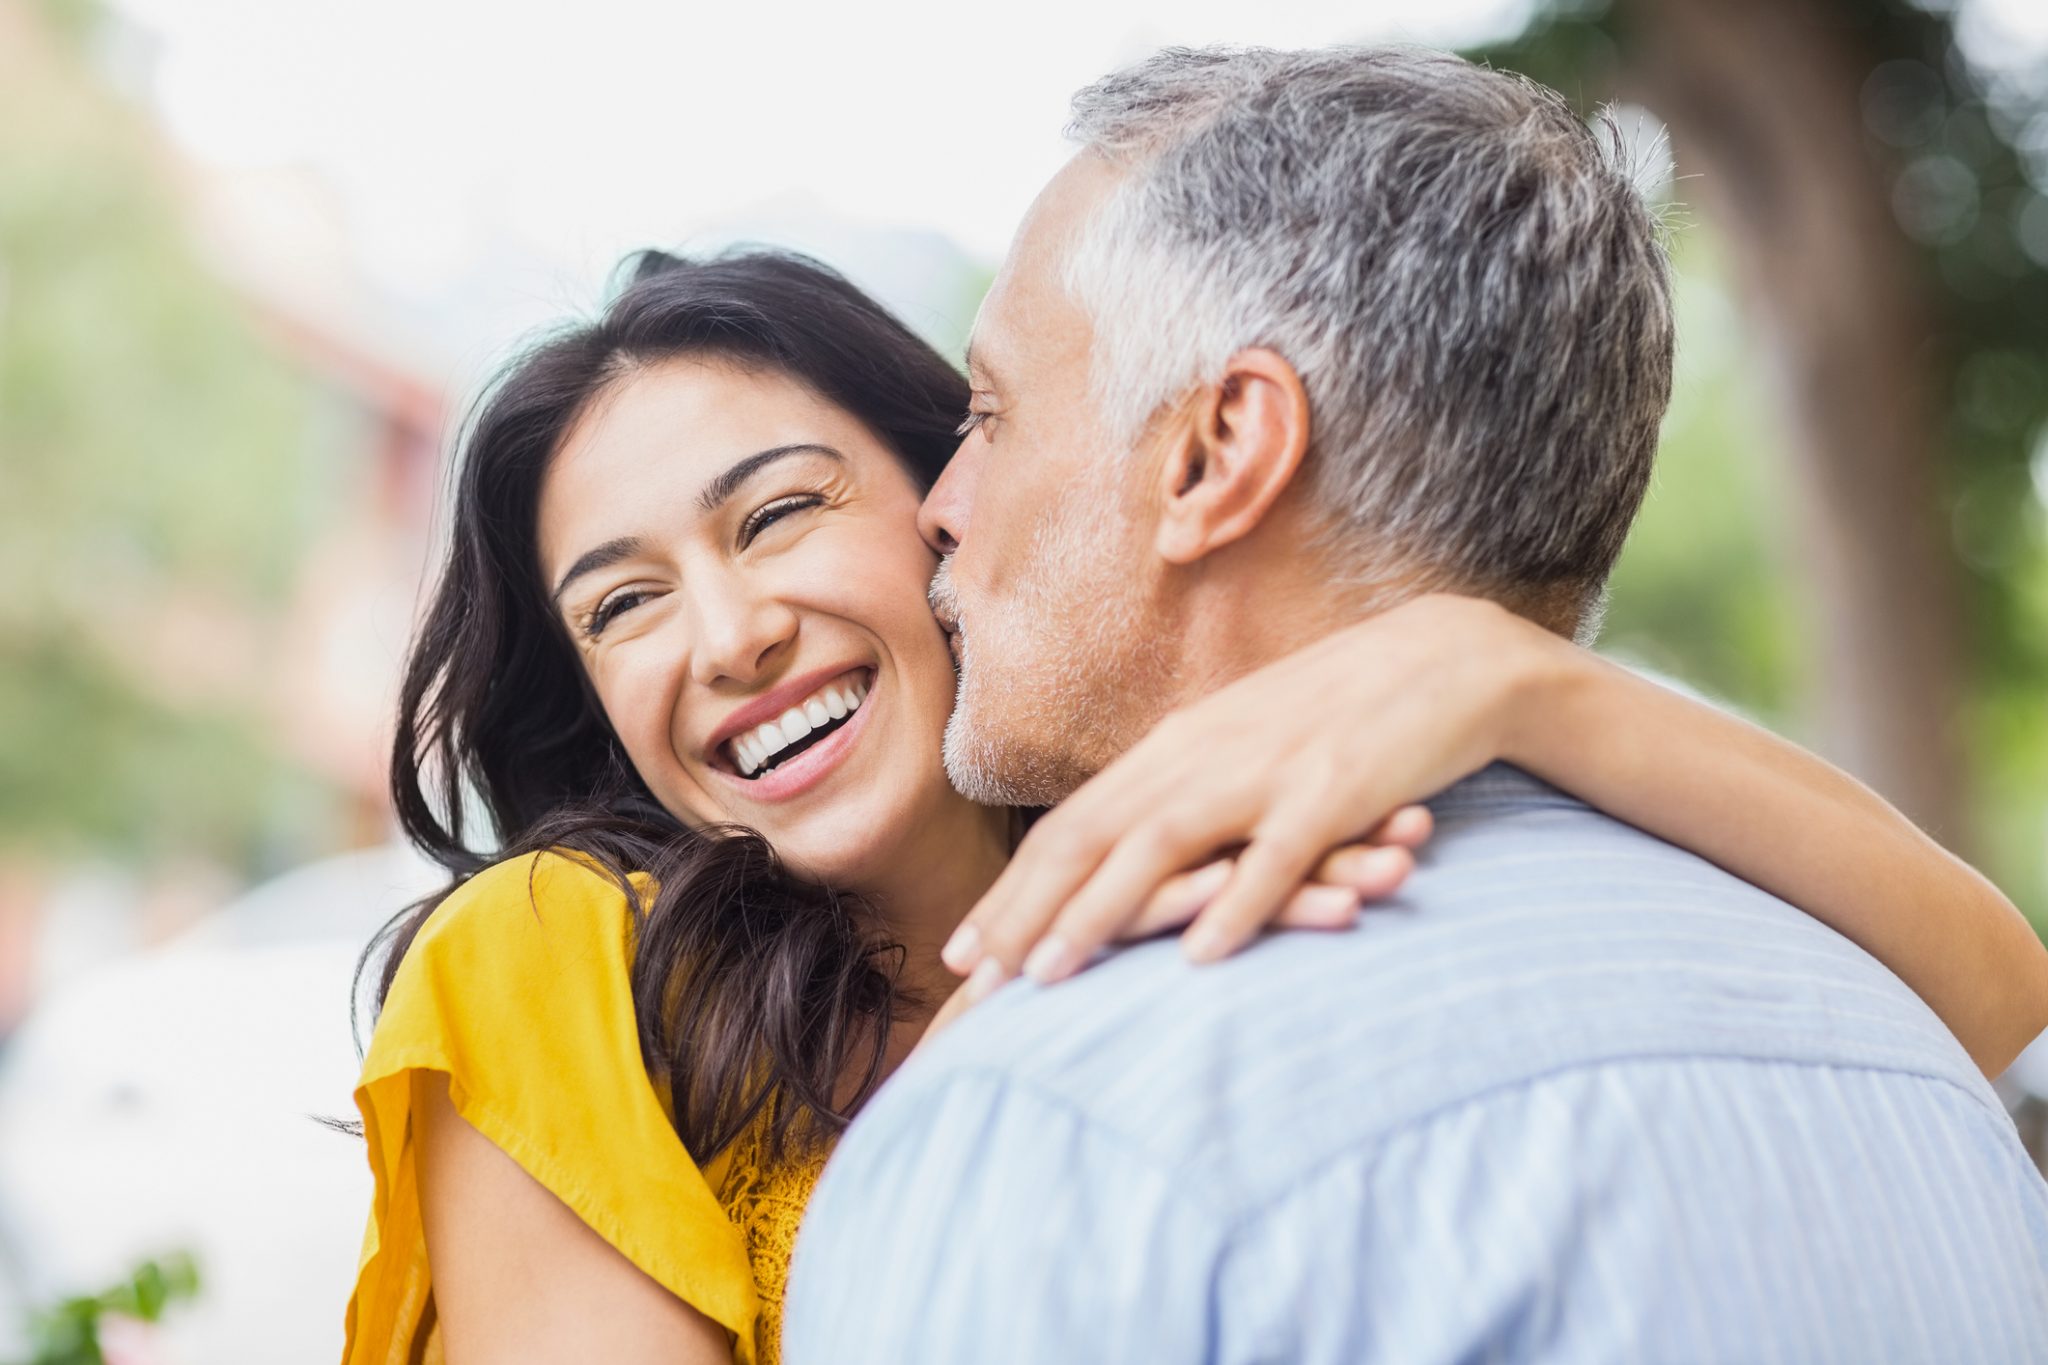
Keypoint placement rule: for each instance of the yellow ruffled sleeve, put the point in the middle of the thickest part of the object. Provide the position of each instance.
(517, 989)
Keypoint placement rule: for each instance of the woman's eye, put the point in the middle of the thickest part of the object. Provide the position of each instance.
(975, 421)
(769, 513)
(610, 609)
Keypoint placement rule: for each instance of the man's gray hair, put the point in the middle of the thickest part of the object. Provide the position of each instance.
(1463, 273)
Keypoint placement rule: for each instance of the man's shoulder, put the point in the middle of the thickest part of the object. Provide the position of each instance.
(1572, 1065)
(1537, 936)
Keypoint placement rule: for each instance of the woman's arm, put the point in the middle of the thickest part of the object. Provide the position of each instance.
(518, 1276)
(1297, 757)
(1803, 830)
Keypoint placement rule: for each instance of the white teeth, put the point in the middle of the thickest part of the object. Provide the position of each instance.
(752, 750)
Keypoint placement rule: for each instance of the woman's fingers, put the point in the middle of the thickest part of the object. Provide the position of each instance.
(1068, 846)
(1097, 914)
(1052, 863)
(1099, 910)
(1178, 901)
(1269, 870)
(1343, 883)
(1408, 827)
(1320, 907)
(1369, 871)
(1374, 871)
(1053, 909)
(1315, 906)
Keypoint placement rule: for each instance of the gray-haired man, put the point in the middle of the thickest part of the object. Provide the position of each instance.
(1592, 1099)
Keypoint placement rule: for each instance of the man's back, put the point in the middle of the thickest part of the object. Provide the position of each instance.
(1578, 1096)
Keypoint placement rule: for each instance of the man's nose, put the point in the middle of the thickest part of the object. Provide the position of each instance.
(942, 520)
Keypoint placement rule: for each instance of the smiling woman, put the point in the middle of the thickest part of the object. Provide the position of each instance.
(680, 643)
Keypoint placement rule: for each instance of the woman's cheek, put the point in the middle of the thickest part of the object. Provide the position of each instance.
(637, 703)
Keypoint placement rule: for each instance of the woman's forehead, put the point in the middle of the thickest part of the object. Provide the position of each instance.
(645, 453)
(692, 411)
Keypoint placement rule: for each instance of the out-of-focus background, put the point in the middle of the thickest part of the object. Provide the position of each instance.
(256, 257)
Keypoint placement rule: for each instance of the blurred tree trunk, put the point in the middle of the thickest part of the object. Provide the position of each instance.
(1763, 100)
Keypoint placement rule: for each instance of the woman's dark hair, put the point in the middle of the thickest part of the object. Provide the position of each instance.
(755, 991)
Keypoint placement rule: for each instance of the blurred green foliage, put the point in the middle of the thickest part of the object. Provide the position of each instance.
(152, 452)
(1701, 591)
(69, 1333)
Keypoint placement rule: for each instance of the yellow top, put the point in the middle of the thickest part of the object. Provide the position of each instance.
(517, 989)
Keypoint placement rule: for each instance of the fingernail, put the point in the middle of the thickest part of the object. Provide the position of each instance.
(962, 950)
(1373, 866)
(1390, 867)
(1205, 884)
(1048, 961)
(1328, 900)
(987, 975)
(1203, 943)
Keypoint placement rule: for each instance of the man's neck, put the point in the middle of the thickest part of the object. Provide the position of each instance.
(1235, 623)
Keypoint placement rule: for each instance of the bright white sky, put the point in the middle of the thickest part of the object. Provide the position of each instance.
(452, 131)
(591, 127)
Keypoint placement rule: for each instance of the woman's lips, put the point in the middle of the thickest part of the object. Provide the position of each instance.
(795, 776)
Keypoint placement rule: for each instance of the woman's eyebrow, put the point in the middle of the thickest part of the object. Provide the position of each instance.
(711, 499)
(603, 557)
(725, 485)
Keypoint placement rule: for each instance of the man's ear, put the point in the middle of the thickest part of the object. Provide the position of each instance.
(1236, 447)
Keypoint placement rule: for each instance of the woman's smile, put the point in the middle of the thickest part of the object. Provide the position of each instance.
(790, 740)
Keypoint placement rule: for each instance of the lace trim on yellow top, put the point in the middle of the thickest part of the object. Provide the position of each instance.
(766, 1200)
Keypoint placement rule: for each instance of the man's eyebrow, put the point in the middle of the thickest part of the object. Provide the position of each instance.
(603, 557)
(725, 485)
(977, 366)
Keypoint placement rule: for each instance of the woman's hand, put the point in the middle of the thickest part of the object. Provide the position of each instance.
(1332, 897)
(1341, 885)
(1286, 763)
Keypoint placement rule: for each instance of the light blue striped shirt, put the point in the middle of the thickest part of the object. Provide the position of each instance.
(1576, 1096)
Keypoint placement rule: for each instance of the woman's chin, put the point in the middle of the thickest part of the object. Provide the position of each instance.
(853, 871)
(840, 845)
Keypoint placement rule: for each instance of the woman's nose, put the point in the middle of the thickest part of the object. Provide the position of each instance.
(739, 635)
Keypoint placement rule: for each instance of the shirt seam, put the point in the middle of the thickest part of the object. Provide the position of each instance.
(1231, 1221)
